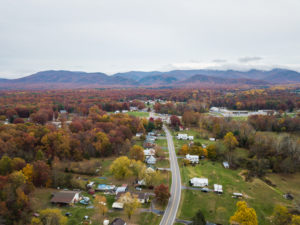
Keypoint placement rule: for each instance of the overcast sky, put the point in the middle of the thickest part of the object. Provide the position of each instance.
(122, 35)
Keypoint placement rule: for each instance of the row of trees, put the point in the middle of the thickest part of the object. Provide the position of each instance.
(97, 135)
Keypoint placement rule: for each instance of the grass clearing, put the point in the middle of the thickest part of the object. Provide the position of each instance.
(149, 219)
(138, 114)
(165, 163)
(219, 208)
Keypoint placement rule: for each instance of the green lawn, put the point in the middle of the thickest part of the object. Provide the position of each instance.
(138, 114)
(162, 143)
(163, 163)
(219, 208)
(149, 219)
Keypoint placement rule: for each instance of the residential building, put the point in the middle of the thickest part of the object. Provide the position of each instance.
(65, 197)
(192, 158)
(199, 182)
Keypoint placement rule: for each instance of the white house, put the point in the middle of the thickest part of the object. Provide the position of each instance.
(182, 136)
(218, 188)
(149, 152)
(138, 134)
(118, 205)
(191, 138)
(122, 189)
(133, 108)
(192, 158)
(212, 139)
(150, 160)
(199, 182)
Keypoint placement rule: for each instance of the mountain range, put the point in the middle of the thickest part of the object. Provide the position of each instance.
(62, 79)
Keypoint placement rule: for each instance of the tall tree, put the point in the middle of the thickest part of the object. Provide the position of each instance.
(162, 194)
(230, 143)
(131, 203)
(100, 204)
(121, 167)
(244, 215)
(281, 215)
(137, 153)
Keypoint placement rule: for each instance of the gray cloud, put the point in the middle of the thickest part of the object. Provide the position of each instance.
(219, 60)
(117, 35)
(250, 59)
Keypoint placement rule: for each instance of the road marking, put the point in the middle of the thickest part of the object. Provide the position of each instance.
(173, 158)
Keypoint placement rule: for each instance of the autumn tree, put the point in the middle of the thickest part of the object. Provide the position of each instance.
(159, 152)
(137, 153)
(41, 173)
(28, 172)
(100, 204)
(158, 123)
(230, 143)
(211, 152)
(121, 168)
(281, 215)
(138, 169)
(5, 165)
(152, 178)
(244, 215)
(175, 121)
(18, 163)
(131, 203)
(52, 217)
(102, 144)
(162, 194)
(295, 220)
(184, 150)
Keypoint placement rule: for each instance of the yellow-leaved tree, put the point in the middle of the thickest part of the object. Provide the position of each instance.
(28, 172)
(100, 204)
(230, 142)
(131, 203)
(244, 215)
(121, 167)
(50, 217)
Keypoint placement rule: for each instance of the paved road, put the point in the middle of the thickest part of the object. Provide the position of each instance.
(171, 210)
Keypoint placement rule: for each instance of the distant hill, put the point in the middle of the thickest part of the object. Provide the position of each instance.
(62, 79)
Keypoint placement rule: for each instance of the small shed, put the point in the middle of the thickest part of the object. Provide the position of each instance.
(199, 182)
(218, 188)
(226, 165)
(118, 205)
(237, 195)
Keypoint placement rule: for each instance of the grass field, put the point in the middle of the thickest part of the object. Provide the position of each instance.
(163, 163)
(219, 208)
(138, 114)
(149, 219)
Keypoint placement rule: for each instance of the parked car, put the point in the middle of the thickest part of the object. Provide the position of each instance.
(205, 190)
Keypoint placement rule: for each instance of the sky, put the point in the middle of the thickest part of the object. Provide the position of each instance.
(122, 35)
